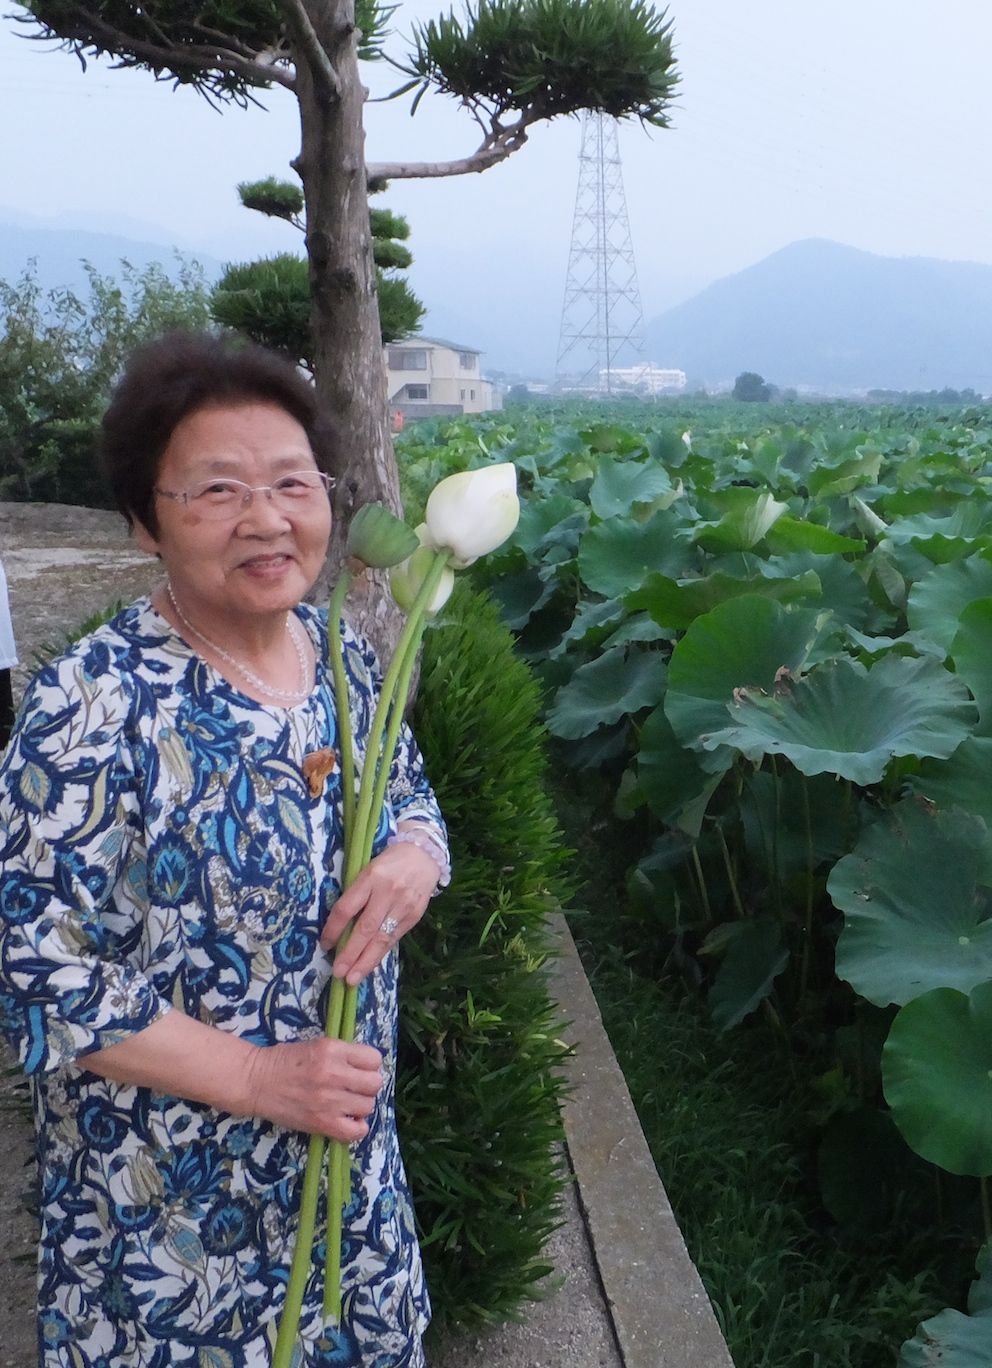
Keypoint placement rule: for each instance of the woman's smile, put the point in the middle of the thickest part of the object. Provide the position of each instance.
(237, 576)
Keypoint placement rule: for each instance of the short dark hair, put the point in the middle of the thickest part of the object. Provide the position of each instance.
(171, 377)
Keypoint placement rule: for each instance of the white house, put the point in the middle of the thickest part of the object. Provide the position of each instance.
(428, 376)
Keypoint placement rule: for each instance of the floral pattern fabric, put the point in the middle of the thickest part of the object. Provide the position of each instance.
(159, 848)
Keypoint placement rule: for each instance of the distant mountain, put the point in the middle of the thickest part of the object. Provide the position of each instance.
(59, 253)
(821, 315)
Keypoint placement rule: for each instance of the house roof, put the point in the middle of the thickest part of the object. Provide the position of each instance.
(434, 342)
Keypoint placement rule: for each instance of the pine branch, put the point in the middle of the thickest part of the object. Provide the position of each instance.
(194, 57)
(311, 47)
(498, 144)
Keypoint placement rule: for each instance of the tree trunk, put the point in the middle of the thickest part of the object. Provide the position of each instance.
(349, 368)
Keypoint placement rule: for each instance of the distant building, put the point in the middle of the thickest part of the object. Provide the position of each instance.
(646, 378)
(427, 376)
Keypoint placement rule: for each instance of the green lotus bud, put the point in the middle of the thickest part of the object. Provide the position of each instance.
(379, 538)
(405, 581)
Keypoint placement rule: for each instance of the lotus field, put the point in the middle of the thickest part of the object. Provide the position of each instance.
(774, 645)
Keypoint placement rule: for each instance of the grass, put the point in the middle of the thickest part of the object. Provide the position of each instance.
(730, 1130)
(732, 1123)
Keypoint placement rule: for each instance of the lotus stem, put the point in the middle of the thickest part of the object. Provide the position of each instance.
(728, 865)
(289, 1321)
(776, 875)
(366, 790)
(808, 922)
(983, 1184)
(346, 749)
(341, 1012)
(701, 881)
(343, 1007)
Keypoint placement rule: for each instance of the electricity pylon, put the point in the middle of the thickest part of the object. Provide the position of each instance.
(601, 314)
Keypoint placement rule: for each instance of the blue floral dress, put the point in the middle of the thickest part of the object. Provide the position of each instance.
(159, 848)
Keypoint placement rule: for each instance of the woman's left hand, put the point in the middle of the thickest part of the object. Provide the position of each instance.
(386, 901)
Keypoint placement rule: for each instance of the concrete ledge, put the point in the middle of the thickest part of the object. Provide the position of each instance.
(661, 1314)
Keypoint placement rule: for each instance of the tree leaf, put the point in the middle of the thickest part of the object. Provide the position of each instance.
(915, 918)
(937, 1077)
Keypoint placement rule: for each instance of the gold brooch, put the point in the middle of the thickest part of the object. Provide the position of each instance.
(316, 767)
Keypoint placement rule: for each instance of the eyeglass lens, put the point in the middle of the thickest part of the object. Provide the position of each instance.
(224, 497)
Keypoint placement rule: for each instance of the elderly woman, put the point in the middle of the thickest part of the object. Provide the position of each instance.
(169, 893)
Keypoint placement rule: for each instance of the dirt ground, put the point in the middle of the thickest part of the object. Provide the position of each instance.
(62, 565)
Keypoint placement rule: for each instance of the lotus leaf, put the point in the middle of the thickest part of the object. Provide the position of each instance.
(950, 1340)
(791, 534)
(605, 690)
(914, 916)
(671, 777)
(841, 587)
(743, 642)
(538, 517)
(754, 958)
(667, 447)
(638, 627)
(847, 720)
(937, 1077)
(675, 603)
(843, 478)
(618, 555)
(936, 602)
(607, 437)
(967, 521)
(971, 651)
(620, 484)
(940, 549)
(520, 595)
(589, 618)
(747, 520)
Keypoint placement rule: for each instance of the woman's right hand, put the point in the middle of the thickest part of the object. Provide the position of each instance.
(324, 1087)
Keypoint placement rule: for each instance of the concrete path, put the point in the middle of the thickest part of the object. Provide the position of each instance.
(630, 1296)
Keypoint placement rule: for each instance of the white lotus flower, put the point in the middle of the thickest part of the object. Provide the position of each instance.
(472, 513)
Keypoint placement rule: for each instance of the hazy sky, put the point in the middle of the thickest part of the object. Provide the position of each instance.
(862, 122)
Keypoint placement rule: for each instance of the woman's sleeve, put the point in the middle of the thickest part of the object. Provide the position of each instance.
(70, 845)
(408, 792)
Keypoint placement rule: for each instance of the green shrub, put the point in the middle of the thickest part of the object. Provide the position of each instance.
(477, 1090)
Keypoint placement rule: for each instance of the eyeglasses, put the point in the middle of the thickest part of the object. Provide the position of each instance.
(220, 499)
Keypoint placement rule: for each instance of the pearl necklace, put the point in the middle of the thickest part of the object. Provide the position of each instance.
(289, 696)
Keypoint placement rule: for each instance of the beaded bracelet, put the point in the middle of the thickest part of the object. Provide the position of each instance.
(424, 841)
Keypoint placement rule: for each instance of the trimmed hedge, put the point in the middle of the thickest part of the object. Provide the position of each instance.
(478, 1091)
